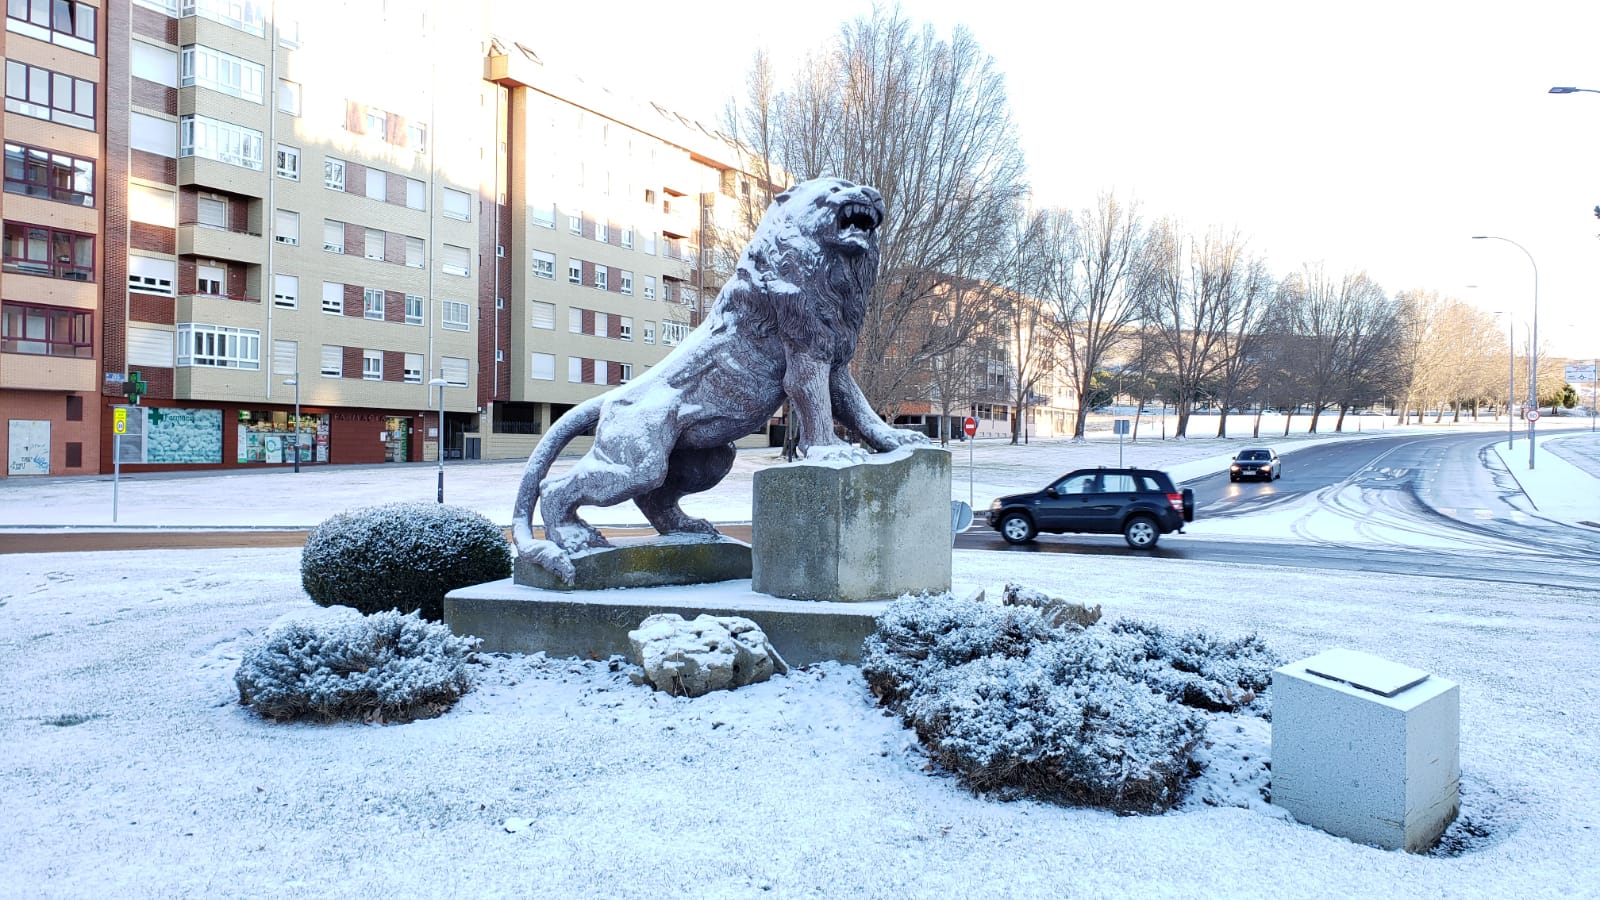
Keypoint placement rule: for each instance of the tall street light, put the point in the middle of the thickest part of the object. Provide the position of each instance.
(295, 383)
(1573, 90)
(1533, 342)
(440, 383)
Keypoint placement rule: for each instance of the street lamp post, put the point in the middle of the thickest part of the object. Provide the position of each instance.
(440, 383)
(295, 383)
(1533, 341)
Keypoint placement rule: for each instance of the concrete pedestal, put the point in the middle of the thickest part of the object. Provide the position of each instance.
(871, 530)
(645, 562)
(1366, 749)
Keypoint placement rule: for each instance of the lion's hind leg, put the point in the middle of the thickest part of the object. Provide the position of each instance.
(690, 470)
(591, 482)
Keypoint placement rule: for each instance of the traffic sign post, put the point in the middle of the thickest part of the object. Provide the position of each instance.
(1120, 426)
(969, 427)
(119, 427)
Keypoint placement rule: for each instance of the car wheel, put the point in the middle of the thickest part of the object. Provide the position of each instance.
(1017, 528)
(1276, 474)
(1141, 533)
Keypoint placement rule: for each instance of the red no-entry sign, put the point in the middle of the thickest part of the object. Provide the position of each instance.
(970, 426)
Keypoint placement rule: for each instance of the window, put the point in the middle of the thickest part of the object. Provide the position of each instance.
(201, 66)
(601, 321)
(289, 96)
(64, 23)
(216, 345)
(241, 14)
(542, 315)
(575, 320)
(288, 163)
(649, 332)
(650, 243)
(649, 287)
(544, 214)
(625, 328)
(416, 194)
(457, 205)
(210, 280)
(46, 330)
(372, 303)
(575, 271)
(377, 122)
(542, 367)
(153, 134)
(225, 142)
(687, 295)
(544, 264)
(377, 184)
(288, 30)
(148, 275)
(152, 205)
(499, 355)
(285, 357)
(627, 238)
(286, 291)
(574, 370)
(624, 373)
(601, 232)
(333, 298)
(455, 260)
(372, 365)
(375, 241)
(212, 212)
(455, 315)
(413, 370)
(454, 370)
(332, 360)
(575, 223)
(153, 63)
(600, 277)
(414, 253)
(627, 282)
(332, 236)
(417, 137)
(51, 252)
(333, 174)
(286, 227)
(413, 309)
(36, 172)
(52, 96)
(673, 333)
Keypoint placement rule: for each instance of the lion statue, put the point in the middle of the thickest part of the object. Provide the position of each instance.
(784, 327)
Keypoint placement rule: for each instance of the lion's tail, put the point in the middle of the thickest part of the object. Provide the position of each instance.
(580, 419)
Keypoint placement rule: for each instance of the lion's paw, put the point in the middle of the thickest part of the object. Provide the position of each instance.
(549, 557)
(895, 438)
(847, 453)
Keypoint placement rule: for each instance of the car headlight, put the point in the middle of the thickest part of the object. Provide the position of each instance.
(994, 505)
(1234, 467)
(1267, 466)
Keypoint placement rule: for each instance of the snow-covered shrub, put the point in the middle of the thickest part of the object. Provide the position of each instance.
(1054, 610)
(344, 666)
(1201, 670)
(403, 556)
(1059, 725)
(1028, 698)
(938, 631)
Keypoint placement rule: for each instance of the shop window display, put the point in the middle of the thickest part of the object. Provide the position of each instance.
(268, 437)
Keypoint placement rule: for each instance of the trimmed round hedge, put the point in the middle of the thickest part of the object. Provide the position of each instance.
(403, 556)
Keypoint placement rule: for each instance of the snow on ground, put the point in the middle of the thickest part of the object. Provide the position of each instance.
(128, 767)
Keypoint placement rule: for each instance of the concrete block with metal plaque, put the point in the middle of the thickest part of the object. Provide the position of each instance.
(1366, 749)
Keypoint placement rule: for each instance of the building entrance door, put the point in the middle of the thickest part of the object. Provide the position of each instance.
(397, 441)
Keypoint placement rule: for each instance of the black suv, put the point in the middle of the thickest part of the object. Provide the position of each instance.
(1139, 504)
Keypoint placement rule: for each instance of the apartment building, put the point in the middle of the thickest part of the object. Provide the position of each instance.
(299, 228)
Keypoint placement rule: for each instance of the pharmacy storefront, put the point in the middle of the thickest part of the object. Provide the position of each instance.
(268, 436)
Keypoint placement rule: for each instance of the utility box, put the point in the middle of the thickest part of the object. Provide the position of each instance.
(1366, 749)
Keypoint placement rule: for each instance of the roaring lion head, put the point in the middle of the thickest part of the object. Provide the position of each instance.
(811, 264)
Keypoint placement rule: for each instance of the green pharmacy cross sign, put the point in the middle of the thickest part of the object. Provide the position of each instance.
(135, 387)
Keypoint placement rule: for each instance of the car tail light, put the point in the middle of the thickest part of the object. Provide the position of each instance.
(1176, 500)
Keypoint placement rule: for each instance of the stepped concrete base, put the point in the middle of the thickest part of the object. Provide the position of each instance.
(854, 532)
(640, 562)
(513, 618)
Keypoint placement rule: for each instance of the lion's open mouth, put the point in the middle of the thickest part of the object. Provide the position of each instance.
(857, 218)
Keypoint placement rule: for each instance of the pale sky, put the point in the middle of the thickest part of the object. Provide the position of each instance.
(1364, 135)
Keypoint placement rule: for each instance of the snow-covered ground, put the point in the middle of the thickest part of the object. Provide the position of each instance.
(128, 767)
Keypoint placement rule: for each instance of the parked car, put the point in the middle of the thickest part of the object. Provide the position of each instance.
(1256, 462)
(1139, 504)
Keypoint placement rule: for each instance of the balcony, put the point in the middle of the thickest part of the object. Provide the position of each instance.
(220, 176)
(38, 372)
(196, 239)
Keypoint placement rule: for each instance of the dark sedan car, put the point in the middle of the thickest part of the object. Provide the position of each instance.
(1139, 504)
(1256, 462)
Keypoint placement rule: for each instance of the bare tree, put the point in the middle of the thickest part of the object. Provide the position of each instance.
(1096, 279)
(1342, 326)
(927, 122)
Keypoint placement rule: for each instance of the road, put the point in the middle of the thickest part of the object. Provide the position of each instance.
(1423, 505)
